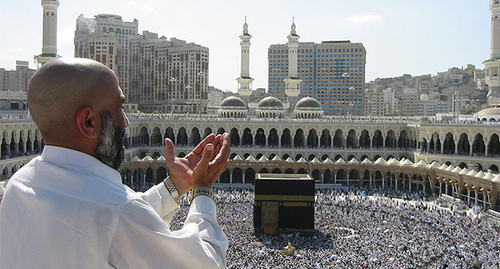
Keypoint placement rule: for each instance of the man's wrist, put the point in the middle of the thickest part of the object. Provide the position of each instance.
(202, 191)
(169, 184)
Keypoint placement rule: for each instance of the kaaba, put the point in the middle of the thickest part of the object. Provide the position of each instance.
(283, 203)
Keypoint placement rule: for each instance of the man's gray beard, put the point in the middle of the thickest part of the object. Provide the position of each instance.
(110, 149)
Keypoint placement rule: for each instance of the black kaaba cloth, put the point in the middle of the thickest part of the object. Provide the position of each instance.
(284, 203)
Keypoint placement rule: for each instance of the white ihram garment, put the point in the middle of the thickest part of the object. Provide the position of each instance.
(66, 209)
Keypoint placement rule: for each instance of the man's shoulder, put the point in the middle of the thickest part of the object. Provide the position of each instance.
(73, 185)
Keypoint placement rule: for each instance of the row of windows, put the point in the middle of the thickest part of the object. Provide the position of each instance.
(317, 50)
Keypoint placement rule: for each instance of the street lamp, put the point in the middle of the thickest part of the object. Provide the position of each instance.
(189, 96)
(172, 80)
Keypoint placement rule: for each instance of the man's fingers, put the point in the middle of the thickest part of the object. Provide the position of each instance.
(169, 151)
(223, 154)
(199, 148)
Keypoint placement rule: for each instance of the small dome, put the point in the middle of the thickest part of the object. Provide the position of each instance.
(270, 103)
(328, 161)
(353, 161)
(433, 165)
(420, 164)
(489, 114)
(456, 169)
(380, 161)
(464, 171)
(489, 111)
(406, 163)
(232, 101)
(496, 179)
(472, 173)
(276, 159)
(308, 103)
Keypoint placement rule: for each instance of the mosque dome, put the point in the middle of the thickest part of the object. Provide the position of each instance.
(308, 108)
(489, 114)
(270, 103)
(270, 107)
(307, 103)
(232, 101)
(232, 107)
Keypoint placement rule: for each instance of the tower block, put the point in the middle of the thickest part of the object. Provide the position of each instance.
(245, 81)
(292, 82)
(493, 64)
(49, 45)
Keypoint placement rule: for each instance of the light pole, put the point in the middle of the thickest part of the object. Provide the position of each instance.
(188, 89)
(172, 80)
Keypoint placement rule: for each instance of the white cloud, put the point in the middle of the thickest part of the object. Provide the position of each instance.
(364, 19)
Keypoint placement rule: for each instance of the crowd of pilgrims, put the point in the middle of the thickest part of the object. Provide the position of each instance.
(361, 230)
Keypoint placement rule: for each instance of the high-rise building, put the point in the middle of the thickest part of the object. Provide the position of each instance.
(16, 80)
(168, 75)
(493, 64)
(333, 72)
(104, 38)
(156, 73)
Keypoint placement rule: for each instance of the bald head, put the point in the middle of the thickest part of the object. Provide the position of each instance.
(60, 88)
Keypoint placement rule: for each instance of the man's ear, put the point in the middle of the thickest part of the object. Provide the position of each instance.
(86, 121)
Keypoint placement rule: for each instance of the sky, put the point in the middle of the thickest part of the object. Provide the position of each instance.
(400, 36)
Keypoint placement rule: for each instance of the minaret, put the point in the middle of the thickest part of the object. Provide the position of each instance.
(292, 82)
(245, 81)
(493, 64)
(49, 48)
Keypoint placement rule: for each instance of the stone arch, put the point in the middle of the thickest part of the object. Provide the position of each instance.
(328, 176)
(249, 176)
(276, 171)
(493, 168)
(208, 131)
(364, 139)
(478, 147)
(298, 140)
(449, 144)
(225, 177)
(169, 133)
(326, 139)
(247, 139)
(463, 146)
(286, 138)
(338, 139)
(390, 139)
(194, 137)
(144, 136)
(260, 137)
(237, 175)
(234, 137)
(312, 139)
(302, 171)
(351, 141)
(273, 139)
(435, 143)
(494, 146)
(221, 131)
(316, 175)
(377, 141)
(404, 139)
(182, 138)
(156, 139)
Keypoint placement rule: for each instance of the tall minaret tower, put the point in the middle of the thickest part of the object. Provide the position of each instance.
(493, 64)
(245, 81)
(292, 82)
(49, 48)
